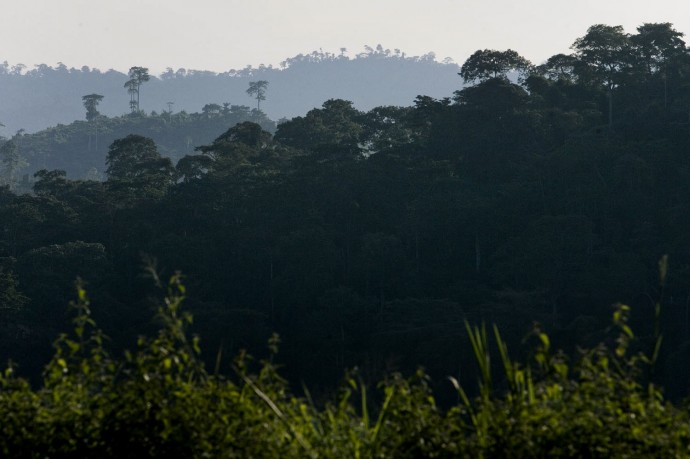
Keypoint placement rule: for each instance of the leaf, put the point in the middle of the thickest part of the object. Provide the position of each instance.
(626, 329)
(544, 338)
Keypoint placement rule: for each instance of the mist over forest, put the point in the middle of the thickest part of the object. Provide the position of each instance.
(418, 259)
(38, 97)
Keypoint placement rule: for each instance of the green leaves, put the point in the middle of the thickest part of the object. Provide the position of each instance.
(160, 402)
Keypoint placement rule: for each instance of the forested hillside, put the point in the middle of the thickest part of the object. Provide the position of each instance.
(42, 96)
(80, 148)
(542, 204)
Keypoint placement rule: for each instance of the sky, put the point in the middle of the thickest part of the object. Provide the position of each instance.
(221, 35)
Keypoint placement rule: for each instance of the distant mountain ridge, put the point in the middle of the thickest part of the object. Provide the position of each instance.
(45, 96)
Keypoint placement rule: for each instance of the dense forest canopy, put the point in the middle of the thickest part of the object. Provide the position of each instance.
(367, 238)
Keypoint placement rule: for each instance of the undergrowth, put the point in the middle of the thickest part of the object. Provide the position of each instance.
(159, 401)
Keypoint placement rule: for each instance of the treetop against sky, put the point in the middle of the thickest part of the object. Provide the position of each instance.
(220, 35)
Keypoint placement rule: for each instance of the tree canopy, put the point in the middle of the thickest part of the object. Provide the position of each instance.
(257, 90)
(488, 63)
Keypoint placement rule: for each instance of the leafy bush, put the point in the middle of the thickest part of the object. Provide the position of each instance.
(159, 401)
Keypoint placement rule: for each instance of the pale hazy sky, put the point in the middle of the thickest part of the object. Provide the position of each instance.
(221, 35)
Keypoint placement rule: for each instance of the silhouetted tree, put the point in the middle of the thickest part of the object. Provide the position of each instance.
(485, 64)
(559, 67)
(603, 53)
(257, 90)
(91, 102)
(137, 76)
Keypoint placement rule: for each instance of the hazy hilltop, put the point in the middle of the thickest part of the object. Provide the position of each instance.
(33, 99)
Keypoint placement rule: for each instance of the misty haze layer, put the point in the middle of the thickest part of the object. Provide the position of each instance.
(45, 96)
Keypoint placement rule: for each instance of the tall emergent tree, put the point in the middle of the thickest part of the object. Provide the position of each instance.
(137, 76)
(655, 44)
(603, 54)
(91, 102)
(257, 90)
(658, 48)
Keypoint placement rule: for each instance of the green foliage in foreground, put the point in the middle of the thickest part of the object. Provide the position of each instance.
(159, 401)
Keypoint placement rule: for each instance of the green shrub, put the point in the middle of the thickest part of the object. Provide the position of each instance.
(159, 401)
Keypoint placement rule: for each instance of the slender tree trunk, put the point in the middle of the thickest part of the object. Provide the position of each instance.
(610, 108)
